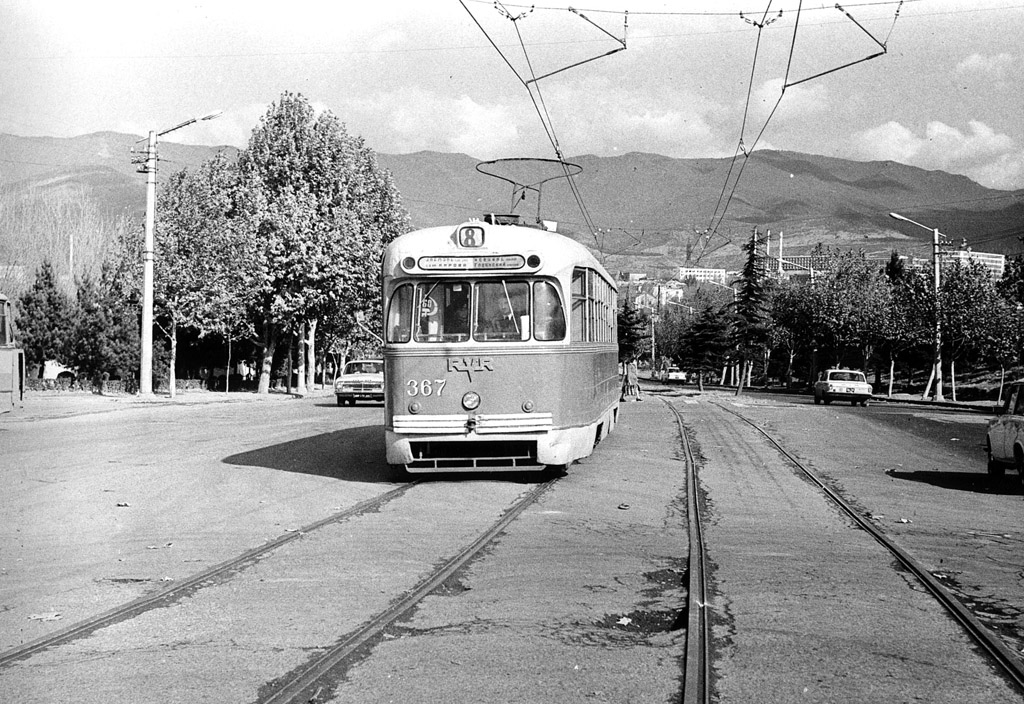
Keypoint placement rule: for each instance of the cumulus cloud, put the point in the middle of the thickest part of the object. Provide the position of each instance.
(998, 67)
(981, 153)
(415, 119)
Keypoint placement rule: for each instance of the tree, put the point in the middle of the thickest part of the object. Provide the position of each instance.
(44, 321)
(106, 332)
(751, 322)
(969, 301)
(634, 335)
(707, 347)
(202, 267)
(319, 212)
(1011, 286)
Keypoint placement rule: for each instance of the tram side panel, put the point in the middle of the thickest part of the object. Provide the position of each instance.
(499, 409)
(12, 378)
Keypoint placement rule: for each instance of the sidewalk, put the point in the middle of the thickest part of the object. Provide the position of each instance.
(41, 405)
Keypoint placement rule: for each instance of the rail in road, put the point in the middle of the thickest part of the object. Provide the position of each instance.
(598, 559)
(1009, 663)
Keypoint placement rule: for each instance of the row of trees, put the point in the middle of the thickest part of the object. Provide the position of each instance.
(853, 313)
(285, 242)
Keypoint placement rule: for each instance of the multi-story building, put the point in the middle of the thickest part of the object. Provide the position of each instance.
(701, 274)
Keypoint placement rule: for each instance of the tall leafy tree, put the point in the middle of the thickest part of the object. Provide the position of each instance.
(969, 303)
(202, 268)
(45, 319)
(319, 213)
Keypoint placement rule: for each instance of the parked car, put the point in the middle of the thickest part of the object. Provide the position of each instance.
(1004, 440)
(673, 374)
(842, 385)
(360, 380)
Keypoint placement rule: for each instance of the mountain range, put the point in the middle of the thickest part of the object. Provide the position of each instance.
(638, 211)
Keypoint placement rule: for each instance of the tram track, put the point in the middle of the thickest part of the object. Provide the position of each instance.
(696, 681)
(305, 683)
(990, 643)
(181, 588)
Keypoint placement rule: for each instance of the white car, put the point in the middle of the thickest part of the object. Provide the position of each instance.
(842, 385)
(673, 374)
(360, 380)
(1004, 440)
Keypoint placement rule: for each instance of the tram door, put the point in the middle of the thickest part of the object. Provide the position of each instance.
(12, 361)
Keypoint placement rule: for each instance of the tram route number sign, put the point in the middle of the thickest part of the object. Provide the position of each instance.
(470, 365)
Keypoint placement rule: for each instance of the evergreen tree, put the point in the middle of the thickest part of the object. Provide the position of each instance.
(634, 332)
(44, 321)
(751, 323)
(706, 349)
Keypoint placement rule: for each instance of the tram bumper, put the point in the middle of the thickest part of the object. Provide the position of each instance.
(512, 442)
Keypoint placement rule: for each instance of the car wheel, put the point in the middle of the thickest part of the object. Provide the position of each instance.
(351, 402)
(864, 403)
(1018, 461)
(826, 400)
(817, 399)
(341, 401)
(853, 403)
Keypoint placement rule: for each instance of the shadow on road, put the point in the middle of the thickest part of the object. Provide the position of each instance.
(964, 481)
(352, 454)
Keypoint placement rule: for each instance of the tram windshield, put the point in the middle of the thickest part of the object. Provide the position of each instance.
(494, 310)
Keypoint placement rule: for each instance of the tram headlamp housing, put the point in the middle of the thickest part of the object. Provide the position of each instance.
(471, 400)
(409, 263)
(533, 261)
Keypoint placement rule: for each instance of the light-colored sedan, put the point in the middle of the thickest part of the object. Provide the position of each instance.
(360, 380)
(842, 385)
(1005, 437)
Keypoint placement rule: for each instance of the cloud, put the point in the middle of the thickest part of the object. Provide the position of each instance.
(991, 159)
(416, 119)
(999, 67)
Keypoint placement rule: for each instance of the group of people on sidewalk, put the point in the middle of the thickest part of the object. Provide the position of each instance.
(631, 383)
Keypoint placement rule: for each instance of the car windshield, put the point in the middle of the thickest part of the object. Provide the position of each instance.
(364, 368)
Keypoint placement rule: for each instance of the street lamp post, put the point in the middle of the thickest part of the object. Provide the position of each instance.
(146, 357)
(937, 363)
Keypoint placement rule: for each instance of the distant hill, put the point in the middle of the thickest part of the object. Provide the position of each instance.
(649, 208)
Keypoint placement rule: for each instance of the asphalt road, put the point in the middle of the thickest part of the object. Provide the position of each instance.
(107, 499)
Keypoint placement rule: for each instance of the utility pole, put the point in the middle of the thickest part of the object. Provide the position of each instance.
(936, 265)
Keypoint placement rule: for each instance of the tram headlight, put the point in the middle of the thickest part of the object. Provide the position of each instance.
(471, 400)
(408, 263)
(533, 261)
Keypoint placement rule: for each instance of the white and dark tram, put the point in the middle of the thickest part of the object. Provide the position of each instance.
(500, 348)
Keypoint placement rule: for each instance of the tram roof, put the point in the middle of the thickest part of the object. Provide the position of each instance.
(500, 239)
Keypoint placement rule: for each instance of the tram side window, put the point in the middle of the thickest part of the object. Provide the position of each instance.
(593, 312)
(579, 305)
(442, 311)
(399, 327)
(548, 316)
(502, 311)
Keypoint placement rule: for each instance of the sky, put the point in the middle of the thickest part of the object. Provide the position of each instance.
(696, 79)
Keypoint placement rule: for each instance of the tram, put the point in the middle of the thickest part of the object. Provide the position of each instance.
(500, 349)
(12, 361)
